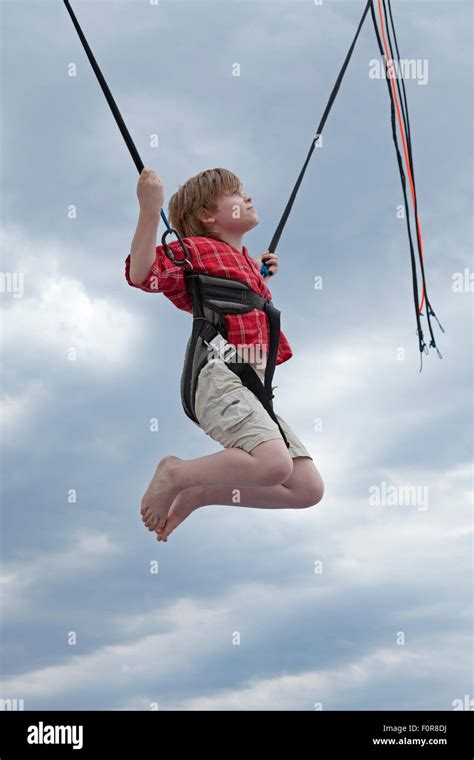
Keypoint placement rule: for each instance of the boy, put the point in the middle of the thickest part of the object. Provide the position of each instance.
(212, 213)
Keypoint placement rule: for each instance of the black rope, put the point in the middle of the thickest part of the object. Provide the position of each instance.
(278, 232)
(404, 106)
(406, 121)
(332, 97)
(421, 342)
(110, 100)
(403, 100)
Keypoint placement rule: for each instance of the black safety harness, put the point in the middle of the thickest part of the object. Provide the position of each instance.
(213, 297)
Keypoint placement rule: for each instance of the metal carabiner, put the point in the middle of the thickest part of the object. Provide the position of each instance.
(169, 252)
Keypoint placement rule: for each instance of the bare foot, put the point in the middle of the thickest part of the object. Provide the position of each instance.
(160, 493)
(185, 502)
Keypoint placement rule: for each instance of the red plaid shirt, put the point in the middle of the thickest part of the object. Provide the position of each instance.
(218, 258)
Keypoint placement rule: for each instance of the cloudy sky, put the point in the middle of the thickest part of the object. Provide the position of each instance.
(359, 603)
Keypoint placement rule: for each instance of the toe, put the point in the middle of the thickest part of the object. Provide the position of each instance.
(161, 534)
(160, 523)
(149, 522)
(169, 526)
(162, 531)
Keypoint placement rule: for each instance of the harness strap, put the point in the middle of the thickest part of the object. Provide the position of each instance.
(252, 381)
(273, 315)
(236, 296)
(243, 299)
(247, 375)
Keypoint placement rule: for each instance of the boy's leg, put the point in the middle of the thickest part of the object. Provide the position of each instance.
(268, 464)
(304, 488)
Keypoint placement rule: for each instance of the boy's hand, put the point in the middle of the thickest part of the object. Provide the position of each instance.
(150, 192)
(270, 260)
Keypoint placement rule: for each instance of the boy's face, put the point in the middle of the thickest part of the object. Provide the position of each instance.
(235, 213)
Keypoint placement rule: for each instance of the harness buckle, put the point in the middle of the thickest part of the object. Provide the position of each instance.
(169, 252)
(221, 348)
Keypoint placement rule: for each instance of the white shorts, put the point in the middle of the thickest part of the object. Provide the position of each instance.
(233, 416)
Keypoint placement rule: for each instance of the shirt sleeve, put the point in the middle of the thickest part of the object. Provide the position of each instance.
(164, 277)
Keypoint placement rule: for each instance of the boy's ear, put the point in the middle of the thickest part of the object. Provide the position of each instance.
(204, 215)
(204, 218)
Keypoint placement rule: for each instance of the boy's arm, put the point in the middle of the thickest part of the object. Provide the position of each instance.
(143, 250)
(147, 266)
(150, 194)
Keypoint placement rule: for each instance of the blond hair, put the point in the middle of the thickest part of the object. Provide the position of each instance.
(199, 195)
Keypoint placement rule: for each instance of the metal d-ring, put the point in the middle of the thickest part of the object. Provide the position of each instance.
(169, 252)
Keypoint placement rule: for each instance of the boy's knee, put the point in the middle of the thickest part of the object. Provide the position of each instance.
(312, 494)
(277, 469)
